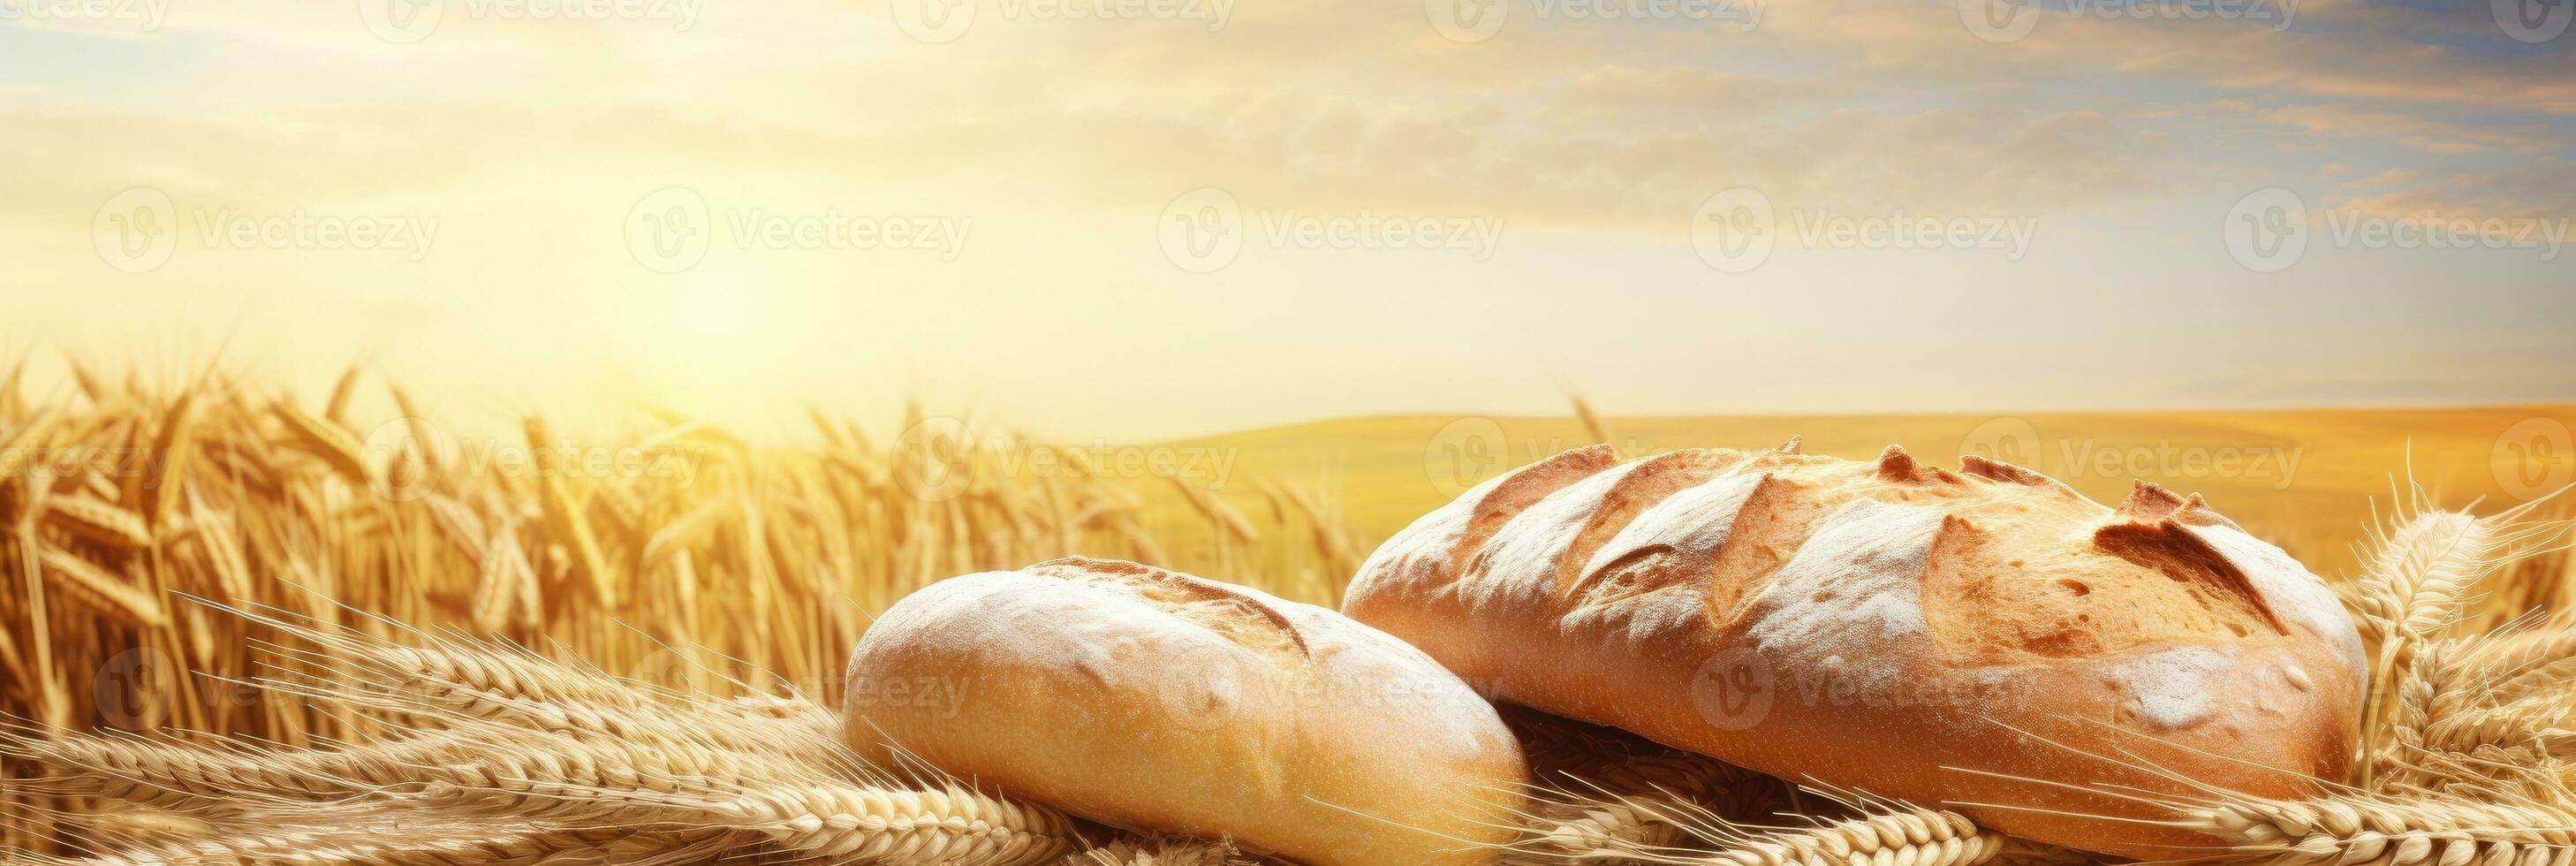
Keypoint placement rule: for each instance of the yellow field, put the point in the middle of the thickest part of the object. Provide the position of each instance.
(2301, 478)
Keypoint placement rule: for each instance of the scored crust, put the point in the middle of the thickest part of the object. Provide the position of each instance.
(1905, 629)
(1231, 612)
(1161, 702)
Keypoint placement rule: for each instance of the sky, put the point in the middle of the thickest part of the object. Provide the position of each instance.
(1143, 218)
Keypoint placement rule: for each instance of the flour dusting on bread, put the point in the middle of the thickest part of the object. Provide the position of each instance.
(1529, 552)
(2172, 688)
(2027, 568)
(1157, 701)
(2298, 595)
(1856, 583)
(1883, 624)
(1686, 529)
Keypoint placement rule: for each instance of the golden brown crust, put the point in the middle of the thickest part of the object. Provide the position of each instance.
(1887, 625)
(1162, 702)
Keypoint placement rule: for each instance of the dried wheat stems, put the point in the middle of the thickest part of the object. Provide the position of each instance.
(499, 756)
(2344, 829)
(2419, 573)
(1875, 833)
(1603, 794)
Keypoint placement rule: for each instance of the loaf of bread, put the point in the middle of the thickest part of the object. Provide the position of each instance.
(1157, 701)
(1986, 638)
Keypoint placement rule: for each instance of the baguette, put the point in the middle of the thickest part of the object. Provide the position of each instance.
(1163, 703)
(1987, 637)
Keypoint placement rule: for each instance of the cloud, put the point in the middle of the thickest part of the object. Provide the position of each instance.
(2411, 129)
(1606, 126)
(2543, 189)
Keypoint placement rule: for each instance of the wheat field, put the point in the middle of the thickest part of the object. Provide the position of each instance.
(685, 557)
(330, 622)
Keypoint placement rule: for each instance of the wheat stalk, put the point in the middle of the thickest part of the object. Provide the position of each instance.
(2399, 832)
(1889, 834)
(560, 750)
(326, 440)
(426, 843)
(2519, 664)
(877, 825)
(91, 519)
(2417, 575)
(172, 776)
(104, 591)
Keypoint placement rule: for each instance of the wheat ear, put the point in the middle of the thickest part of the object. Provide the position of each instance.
(953, 826)
(172, 776)
(1901, 836)
(437, 844)
(2398, 832)
(2519, 664)
(2417, 575)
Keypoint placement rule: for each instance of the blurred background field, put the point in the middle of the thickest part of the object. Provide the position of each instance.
(2303, 478)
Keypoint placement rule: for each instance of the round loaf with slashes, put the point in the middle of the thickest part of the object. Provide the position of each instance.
(1158, 701)
(1986, 638)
